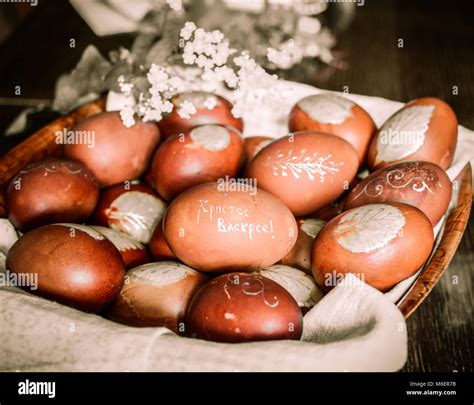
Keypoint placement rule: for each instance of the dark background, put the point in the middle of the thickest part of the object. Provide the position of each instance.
(438, 54)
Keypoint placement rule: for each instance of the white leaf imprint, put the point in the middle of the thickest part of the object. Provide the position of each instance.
(369, 227)
(84, 228)
(211, 137)
(311, 226)
(300, 165)
(120, 240)
(300, 285)
(403, 133)
(161, 273)
(327, 108)
(137, 213)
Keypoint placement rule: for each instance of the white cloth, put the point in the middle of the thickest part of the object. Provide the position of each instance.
(354, 328)
(113, 16)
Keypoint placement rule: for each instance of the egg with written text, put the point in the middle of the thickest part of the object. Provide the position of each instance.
(218, 227)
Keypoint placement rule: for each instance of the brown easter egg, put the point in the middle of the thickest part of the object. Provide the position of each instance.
(306, 170)
(134, 209)
(133, 253)
(206, 108)
(300, 255)
(217, 227)
(382, 244)
(425, 129)
(203, 154)
(159, 248)
(300, 285)
(242, 307)
(53, 190)
(253, 145)
(422, 184)
(157, 294)
(118, 153)
(335, 115)
(72, 264)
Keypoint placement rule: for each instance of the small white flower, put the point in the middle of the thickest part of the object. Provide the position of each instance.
(200, 34)
(175, 5)
(186, 109)
(281, 59)
(158, 78)
(189, 58)
(187, 30)
(125, 88)
(217, 36)
(203, 62)
(210, 103)
(176, 84)
(308, 25)
(127, 116)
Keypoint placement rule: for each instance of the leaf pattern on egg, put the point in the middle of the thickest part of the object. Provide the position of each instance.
(300, 165)
(299, 284)
(403, 133)
(327, 108)
(162, 273)
(137, 213)
(369, 227)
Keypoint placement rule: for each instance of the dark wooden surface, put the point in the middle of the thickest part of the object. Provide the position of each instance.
(437, 54)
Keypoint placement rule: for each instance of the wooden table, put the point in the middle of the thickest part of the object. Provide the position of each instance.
(437, 55)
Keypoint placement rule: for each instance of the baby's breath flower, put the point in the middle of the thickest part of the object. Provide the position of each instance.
(187, 30)
(127, 116)
(175, 5)
(186, 109)
(206, 55)
(125, 88)
(210, 103)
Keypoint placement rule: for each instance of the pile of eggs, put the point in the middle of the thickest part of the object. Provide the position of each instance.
(187, 225)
